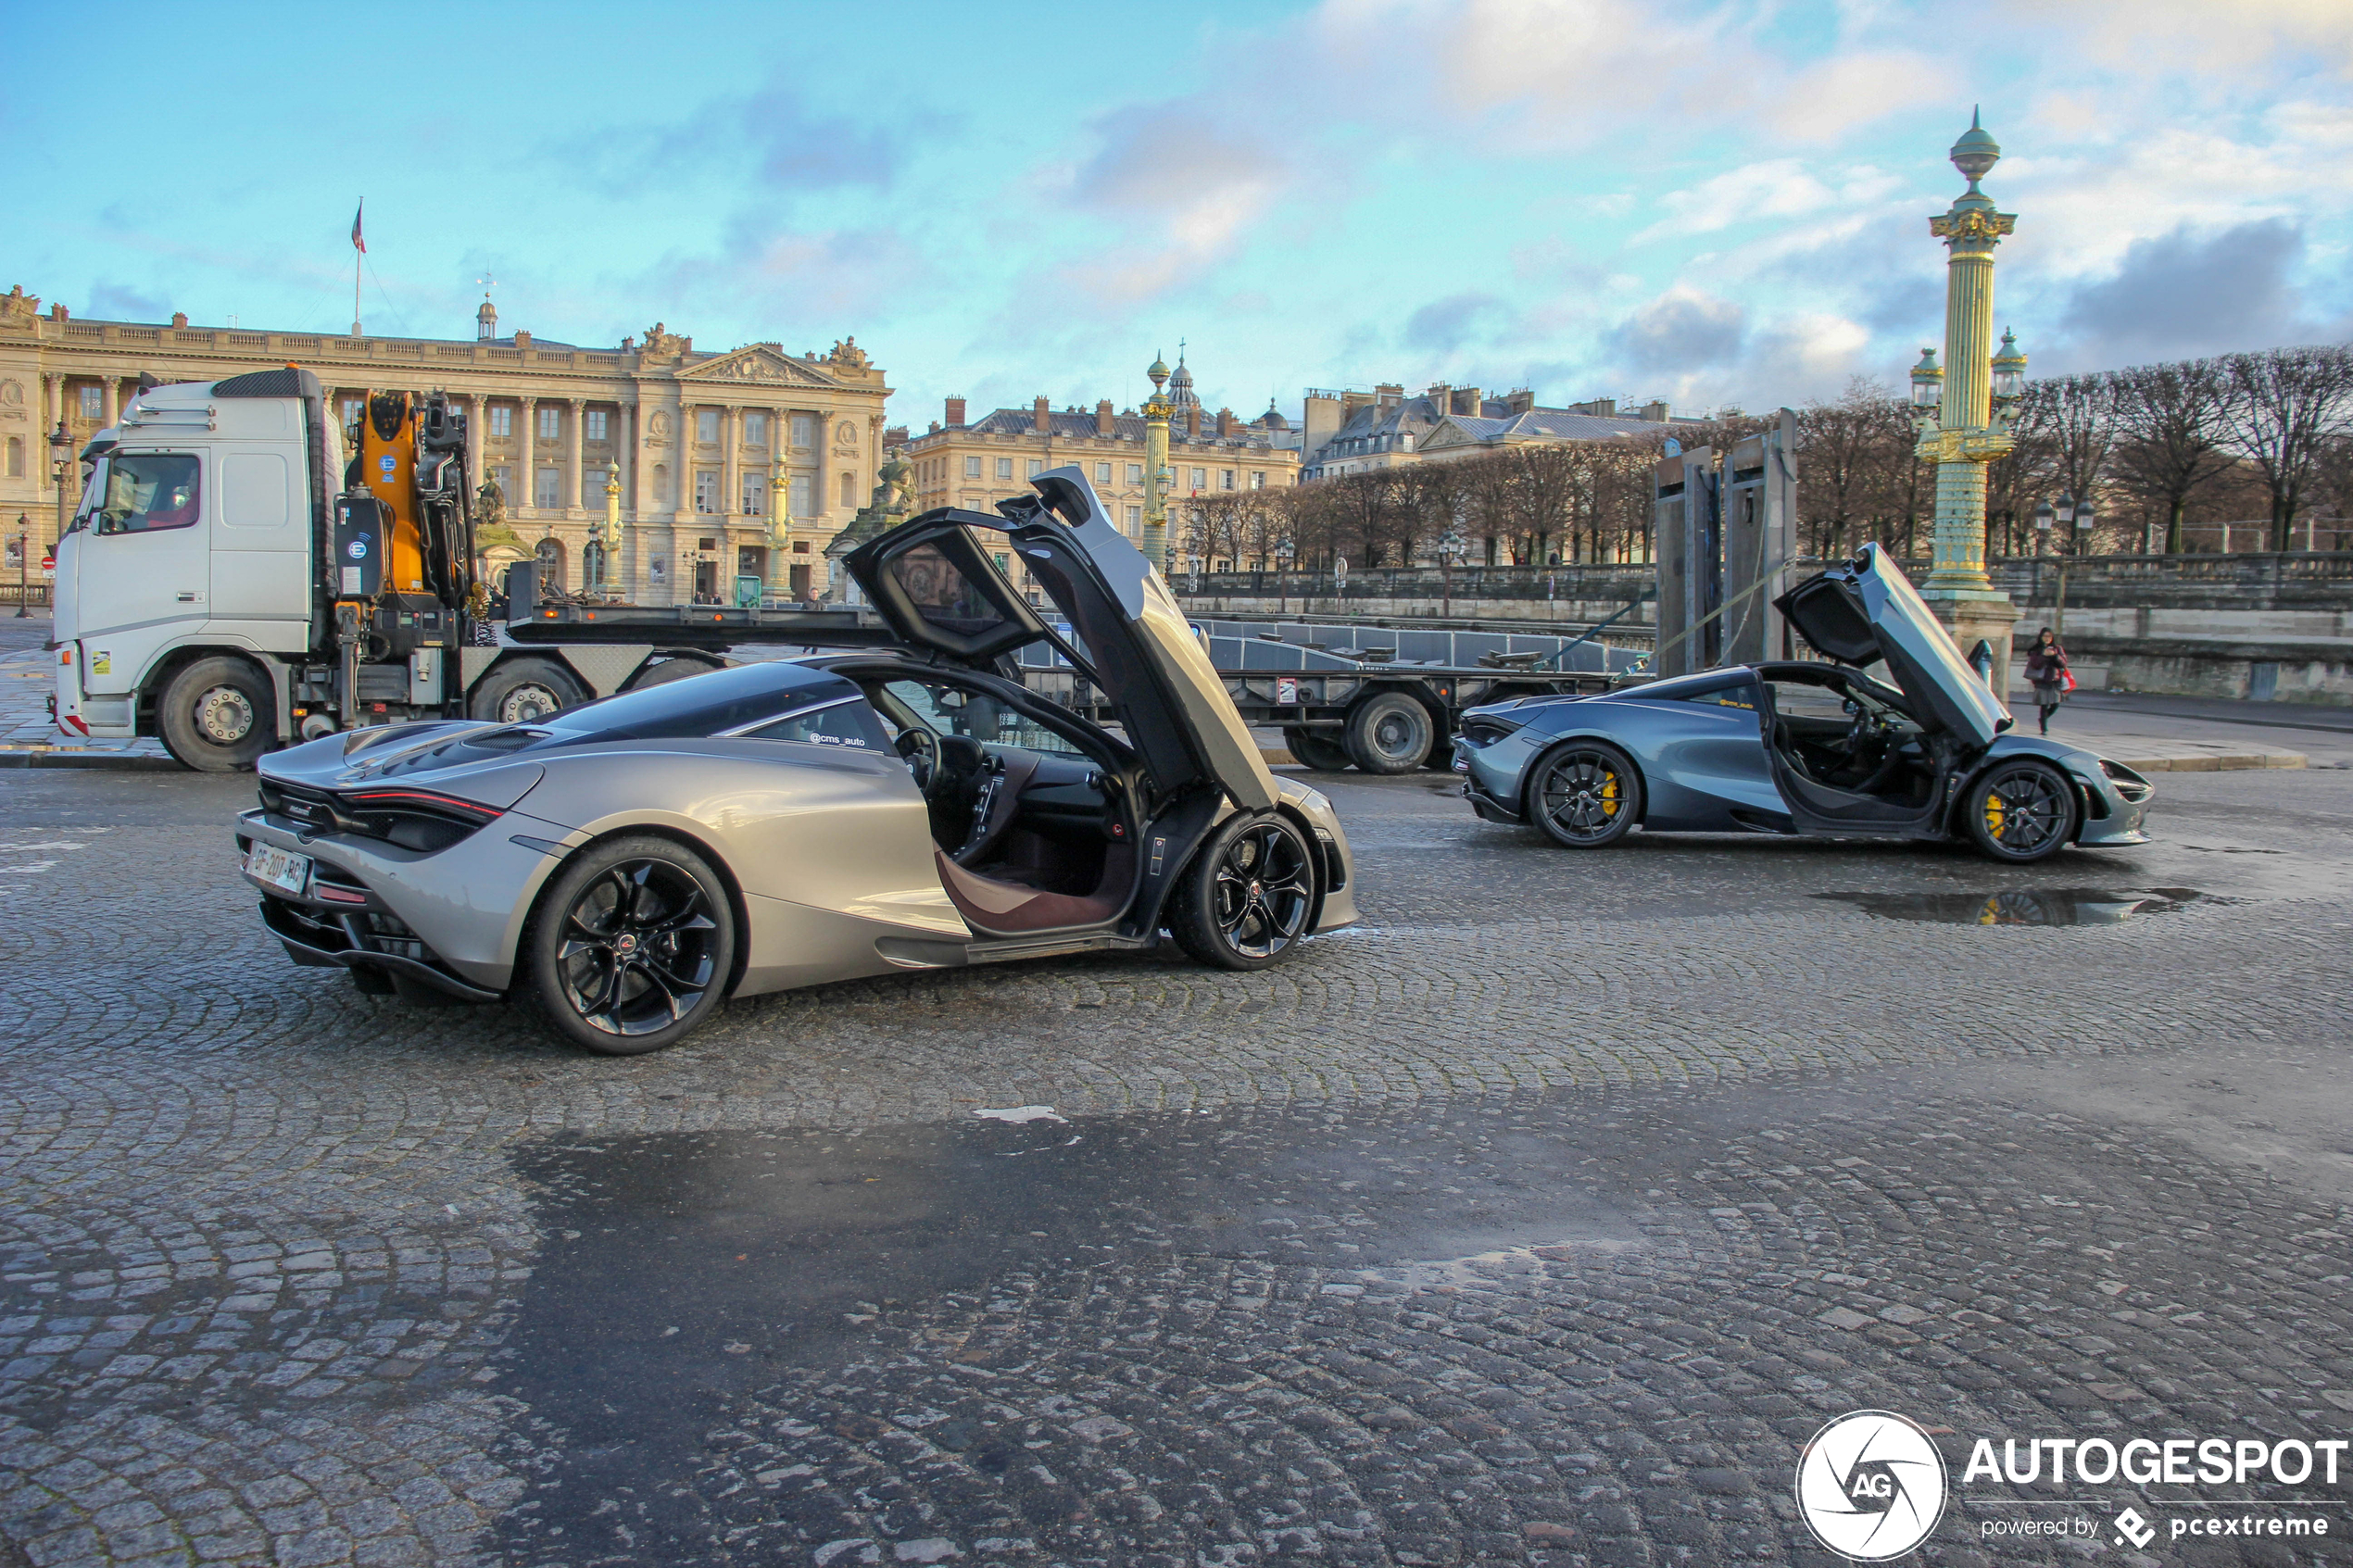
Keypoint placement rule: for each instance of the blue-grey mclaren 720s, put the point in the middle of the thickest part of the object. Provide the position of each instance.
(1807, 747)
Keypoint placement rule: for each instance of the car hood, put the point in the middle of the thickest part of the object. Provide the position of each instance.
(941, 589)
(1866, 609)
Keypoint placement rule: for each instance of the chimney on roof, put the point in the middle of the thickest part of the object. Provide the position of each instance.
(1439, 393)
(1102, 417)
(955, 413)
(1655, 411)
(1521, 401)
(179, 318)
(1041, 417)
(1192, 421)
(1389, 393)
(58, 312)
(1226, 425)
(523, 340)
(1466, 400)
(1604, 408)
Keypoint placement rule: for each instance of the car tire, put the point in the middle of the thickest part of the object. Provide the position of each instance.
(1244, 901)
(679, 667)
(631, 947)
(2021, 811)
(1390, 733)
(217, 715)
(1584, 793)
(1309, 749)
(522, 690)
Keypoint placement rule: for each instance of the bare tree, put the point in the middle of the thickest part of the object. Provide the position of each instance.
(2283, 405)
(2171, 426)
(1844, 452)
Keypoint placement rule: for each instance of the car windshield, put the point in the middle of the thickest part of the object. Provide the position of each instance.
(703, 704)
(942, 594)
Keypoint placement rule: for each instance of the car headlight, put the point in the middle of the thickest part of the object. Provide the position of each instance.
(1486, 729)
(2127, 783)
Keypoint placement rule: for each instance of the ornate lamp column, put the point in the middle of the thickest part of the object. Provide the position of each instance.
(1969, 428)
(1157, 409)
(609, 535)
(779, 511)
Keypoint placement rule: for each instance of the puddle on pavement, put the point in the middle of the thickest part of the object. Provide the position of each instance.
(2028, 906)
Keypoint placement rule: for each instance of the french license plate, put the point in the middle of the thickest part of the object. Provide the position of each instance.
(276, 868)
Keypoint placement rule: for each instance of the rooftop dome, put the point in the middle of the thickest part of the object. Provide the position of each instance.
(1976, 153)
(1273, 418)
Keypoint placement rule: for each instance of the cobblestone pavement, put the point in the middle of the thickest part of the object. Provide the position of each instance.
(1541, 1219)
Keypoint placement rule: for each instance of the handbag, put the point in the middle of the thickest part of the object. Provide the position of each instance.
(2067, 679)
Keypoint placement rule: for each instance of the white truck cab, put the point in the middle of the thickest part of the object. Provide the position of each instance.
(194, 540)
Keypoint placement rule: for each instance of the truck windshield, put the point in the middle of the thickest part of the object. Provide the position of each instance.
(145, 491)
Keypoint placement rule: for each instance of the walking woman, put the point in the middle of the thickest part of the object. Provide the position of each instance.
(2046, 672)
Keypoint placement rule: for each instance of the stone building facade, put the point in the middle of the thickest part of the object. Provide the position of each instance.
(699, 439)
(976, 463)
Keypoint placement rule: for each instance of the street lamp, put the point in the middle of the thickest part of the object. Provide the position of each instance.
(60, 464)
(1449, 547)
(2042, 520)
(2009, 377)
(1283, 553)
(2084, 519)
(24, 559)
(1928, 391)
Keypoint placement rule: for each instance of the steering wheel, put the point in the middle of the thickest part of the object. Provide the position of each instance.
(921, 748)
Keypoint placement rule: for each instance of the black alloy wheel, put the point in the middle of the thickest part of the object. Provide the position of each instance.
(1244, 901)
(1309, 750)
(2021, 811)
(1586, 795)
(632, 947)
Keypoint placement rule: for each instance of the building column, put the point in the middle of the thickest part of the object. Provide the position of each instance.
(624, 451)
(477, 416)
(731, 437)
(527, 482)
(573, 441)
(111, 404)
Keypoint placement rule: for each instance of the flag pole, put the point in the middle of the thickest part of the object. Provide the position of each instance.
(358, 249)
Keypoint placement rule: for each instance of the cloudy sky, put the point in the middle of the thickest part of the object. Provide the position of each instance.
(1718, 204)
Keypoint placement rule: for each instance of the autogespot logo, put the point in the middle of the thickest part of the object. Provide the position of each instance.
(1871, 1486)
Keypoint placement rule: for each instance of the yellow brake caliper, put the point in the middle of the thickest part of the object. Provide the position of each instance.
(1609, 795)
(1993, 813)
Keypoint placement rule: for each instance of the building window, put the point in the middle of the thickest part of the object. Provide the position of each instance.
(756, 429)
(16, 457)
(755, 496)
(1004, 468)
(1200, 478)
(89, 403)
(1135, 519)
(594, 427)
(546, 488)
(1135, 473)
(503, 419)
(1258, 480)
(1103, 474)
(804, 431)
(662, 485)
(551, 422)
(971, 468)
(706, 426)
(351, 406)
(848, 489)
(797, 497)
(707, 493)
(1224, 479)
(1036, 467)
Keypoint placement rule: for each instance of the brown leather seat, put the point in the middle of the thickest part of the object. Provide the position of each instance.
(1009, 908)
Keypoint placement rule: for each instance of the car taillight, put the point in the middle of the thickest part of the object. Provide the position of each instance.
(414, 819)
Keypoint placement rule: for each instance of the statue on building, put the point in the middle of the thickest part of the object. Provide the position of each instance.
(16, 304)
(661, 343)
(894, 495)
(848, 355)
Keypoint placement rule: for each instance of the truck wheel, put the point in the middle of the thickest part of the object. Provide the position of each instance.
(1390, 733)
(1317, 751)
(523, 689)
(678, 667)
(217, 715)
